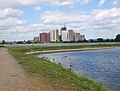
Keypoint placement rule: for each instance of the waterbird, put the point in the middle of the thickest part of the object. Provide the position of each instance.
(69, 58)
(59, 63)
(71, 65)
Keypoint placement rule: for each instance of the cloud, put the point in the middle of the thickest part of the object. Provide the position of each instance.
(104, 14)
(11, 22)
(101, 2)
(76, 20)
(94, 25)
(115, 3)
(85, 1)
(57, 17)
(25, 32)
(9, 18)
(12, 28)
(106, 22)
(37, 8)
(98, 23)
(16, 3)
(10, 12)
(20, 3)
(64, 2)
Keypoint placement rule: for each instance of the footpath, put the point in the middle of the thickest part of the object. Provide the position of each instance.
(11, 73)
(13, 77)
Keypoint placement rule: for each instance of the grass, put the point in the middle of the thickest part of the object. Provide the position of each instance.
(43, 48)
(53, 73)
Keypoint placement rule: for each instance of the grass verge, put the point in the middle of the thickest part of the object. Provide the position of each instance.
(56, 75)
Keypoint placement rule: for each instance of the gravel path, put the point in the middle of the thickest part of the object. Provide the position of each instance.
(13, 77)
(11, 73)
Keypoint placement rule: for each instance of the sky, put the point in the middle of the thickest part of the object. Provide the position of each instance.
(25, 19)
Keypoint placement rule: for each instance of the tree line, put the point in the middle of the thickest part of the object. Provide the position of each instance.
(117, 39)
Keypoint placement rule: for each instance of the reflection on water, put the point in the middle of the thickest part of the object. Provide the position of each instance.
(99, 65)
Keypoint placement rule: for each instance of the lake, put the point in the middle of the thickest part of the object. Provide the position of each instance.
(99, 65)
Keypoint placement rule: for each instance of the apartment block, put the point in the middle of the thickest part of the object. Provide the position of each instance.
(82, 37)
(70, 35)
(44, 37)
(54, 35)
(64, 34)
(77, 36)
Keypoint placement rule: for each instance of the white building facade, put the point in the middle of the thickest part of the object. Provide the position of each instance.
(64, 34)
(54, 35)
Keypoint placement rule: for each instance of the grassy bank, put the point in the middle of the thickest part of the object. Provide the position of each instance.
(56, 75)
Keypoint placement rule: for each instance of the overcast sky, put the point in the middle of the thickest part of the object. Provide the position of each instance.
(25, 19)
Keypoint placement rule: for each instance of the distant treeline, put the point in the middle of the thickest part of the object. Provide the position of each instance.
(117, 39)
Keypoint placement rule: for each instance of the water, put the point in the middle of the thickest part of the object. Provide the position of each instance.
(60, 44)
(99, 65)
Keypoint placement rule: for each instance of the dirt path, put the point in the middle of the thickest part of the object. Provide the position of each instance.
(11, 74)
(67, 50)
(13, 77)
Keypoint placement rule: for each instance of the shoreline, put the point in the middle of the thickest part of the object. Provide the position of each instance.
(56, 74)
(68, 50)
(58, 77)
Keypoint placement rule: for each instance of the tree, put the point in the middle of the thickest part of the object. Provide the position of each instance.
(3, 42)
(92, 40)
(28, 42)
(100, 39)
(37, 42)
(117, 38)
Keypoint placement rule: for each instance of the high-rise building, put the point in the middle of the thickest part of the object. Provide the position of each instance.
(64, 33)
(70, 35)
(54, 35)
(77, 36)
(44, 37)
(48, 37)
(82, 37)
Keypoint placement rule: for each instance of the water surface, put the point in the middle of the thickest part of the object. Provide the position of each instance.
(99, 65)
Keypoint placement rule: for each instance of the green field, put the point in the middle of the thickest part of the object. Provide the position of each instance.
(53, 73)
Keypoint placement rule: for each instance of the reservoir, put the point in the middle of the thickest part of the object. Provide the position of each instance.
(99, 65)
